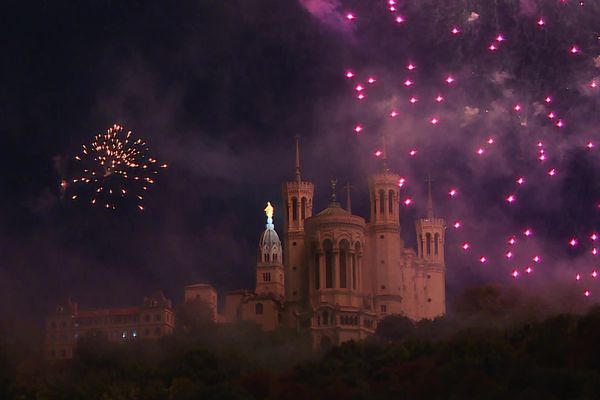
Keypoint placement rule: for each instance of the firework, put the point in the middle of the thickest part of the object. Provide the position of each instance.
(115, 169)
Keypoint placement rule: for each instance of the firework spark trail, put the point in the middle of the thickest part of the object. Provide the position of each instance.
(114, 169)
(539, 99)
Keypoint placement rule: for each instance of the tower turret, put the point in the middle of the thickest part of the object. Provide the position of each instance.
(386, 245)
(298, 206)
(431, 276)
(269, 265)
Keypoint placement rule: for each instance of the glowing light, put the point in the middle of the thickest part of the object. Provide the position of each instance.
(455, 31)
(560, 124)
(577, 277)
(350, 16)
(359, 88)
(371, 80)
(434, 120)
(587, 293)
(358, 128)
(594, 236)
(393, 114)
(349, 74)
(410, 67)
(536, 259)
(492, 47)
(512, 240)
(511, 198)
(595, 251)
(413, 152)
(482, 259)
(594, 274)
(490, 140)
(413, 100)
(552, 172)
(449, 79)
(439, 99)
(573, 242)
(551, 115)
(528, 232)
(593, 84)
(529, 270)
(360, 96)
(541, 22)
(515, 273)
(466, 246)
(401, 182)
(407, 201)
(378, 153)
(408, 82)
(500, 38)
(509, 254)
(517, 108)
(521, 180)
(480, 151)
(399, 19)
(453, 192)
(457, 225)
(574, 50)
(548, 99)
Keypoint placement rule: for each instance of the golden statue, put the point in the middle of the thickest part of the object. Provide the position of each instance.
(269, 210)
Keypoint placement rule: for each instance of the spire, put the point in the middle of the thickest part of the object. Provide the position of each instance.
(348, 198)
(333, 194)
(297, 139)
(269, 212)
(384, 150)
(429, 199)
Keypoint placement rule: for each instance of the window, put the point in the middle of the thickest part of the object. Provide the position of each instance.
(293, 243)
(383, 308)
(368, 323)
(435, 243)
(294, 209)
(381, 201)
(325, 318)
(258, 308)
(267, 277)
(391, 202)
(381, 237)
(157, 317)
(428, 243)
(429, 300)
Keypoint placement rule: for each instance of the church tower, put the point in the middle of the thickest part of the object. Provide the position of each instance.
(385, 243)
(269, 267)
(298, 206)
(430, 251)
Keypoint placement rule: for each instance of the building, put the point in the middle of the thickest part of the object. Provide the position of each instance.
(337, 274)
(153, 319)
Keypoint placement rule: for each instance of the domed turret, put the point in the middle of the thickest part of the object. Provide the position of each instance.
(269, 266)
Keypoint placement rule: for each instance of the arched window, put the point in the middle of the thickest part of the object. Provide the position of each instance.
(428, 244)
(325, 318)
(294, 208)
(328, 248)
(391, 202)
(381, 201)
(420, 244)
(374, 202)
(258, 308)
(436, 243)
(344, 251)
(303, 209)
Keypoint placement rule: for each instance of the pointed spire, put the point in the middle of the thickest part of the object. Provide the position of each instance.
(384, 151)
(348, 198)
(297, 138)
(429, 199)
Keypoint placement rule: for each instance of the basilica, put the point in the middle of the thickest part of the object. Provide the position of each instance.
(336, 274)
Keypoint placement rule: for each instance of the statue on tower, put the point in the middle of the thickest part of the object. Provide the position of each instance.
(269, 211)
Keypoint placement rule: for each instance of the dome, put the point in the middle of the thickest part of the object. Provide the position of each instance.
(333, 209)
(269, 245)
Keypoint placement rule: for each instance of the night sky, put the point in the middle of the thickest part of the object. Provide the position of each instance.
(218, 89)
